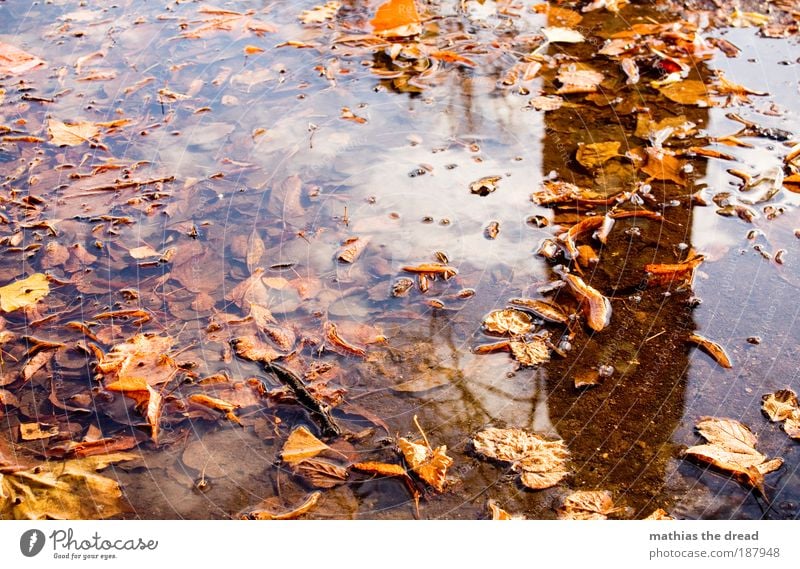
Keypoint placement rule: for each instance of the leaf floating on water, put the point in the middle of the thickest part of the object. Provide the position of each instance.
(340, 344)
(542, 309)
(508, 321)
(301, 445)
(319, 14)
(380, 468)
(321, 473)
(485, 185)
(663, 166)
(555, 192)
(429, 464)
(779, 406)
(304, 508)
(613, 6)
(783, 406)
(492, 230)
(352, 249)
(23, 293)
(425, 382)
(530, 353)
(499, 513)
(587, 505)
(74, 134)
(731, 448)
(254, 349)
(713, 349)
(596, 306)
(62, 490)
(576, 79)
(688, 92)
(665, 274)
(540, 463)
(397, 19)
(14, 61)
(546, 103)
(659, 514)
(591, 156)
(563, 35)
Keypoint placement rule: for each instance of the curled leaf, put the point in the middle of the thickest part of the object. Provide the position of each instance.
(713, 349)
(587, 505)
(596, 306)
(508, 321)
(304, 508)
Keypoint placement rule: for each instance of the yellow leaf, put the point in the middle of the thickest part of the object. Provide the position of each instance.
(301, 445)
(23, 293)
(381, 468)
(68, 490)
(688, 92)
(319, 14)
(593, 155)
(397, 18)
(540, 463)
(14, 61)
(74, 134)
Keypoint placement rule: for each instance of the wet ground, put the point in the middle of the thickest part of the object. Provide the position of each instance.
(259, 144)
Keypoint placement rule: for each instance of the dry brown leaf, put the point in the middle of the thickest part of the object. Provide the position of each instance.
(596, 306)
(425, 382)
(340, 344)
(14, 61)
(250, 291)
(731, 448)
(429, 464)
(143, 356)
(319, 14)
(321, 473)
(659, 514)
(613, 6)
(646, 127)
(147, 399)
(666, 274)
(542, 309)
(301, 445)
(305, 507)
(24, 292)
(779, 406)
(508, 321)
(591, 156)
(792, 424)
(557, 34)
(74, 134)
(484, 186)
(352, 249)
(540, 463)
(499, 513)
(546, 103)
(62, 490)
(530, 353)
(556, 192)
(255, 250)
(587, 505)
(713, 349)
(688, 92)
(221, 405)
(381, 468)
(397, 19)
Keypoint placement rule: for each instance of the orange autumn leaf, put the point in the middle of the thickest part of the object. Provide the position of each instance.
(663, 166)
(381, 468)
(301, 445)
(147, 399)
(452, 57)
(218, 404)
(14, 61)
(397, 18)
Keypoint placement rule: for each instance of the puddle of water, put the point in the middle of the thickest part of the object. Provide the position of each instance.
(397, 172)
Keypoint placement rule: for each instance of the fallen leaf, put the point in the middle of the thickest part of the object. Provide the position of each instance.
(667, 274)
(779, 406)
(596, 306)
(74, 134)
(14, 61)
(305, 507)
(792, 424)
(429, 464)
(143, 356)
(221, 405)
(485, 185)
(576, 79)
(23, 293)
(587, 505)
(530, 353)
(713, 349)
(301, 445)
(555, 192)
(731, 448)
(557, 16)
(590, 156)
(340, 344)
(563, 35)
(508, 321)
(688, 92)
(397, 19)
(646, 127)
(319, 14)
(255, 250)
(540, 463)
(452, 57)
(546, 103)
(659, 514)
(663, 166)
(613, 6)
(380, 468)
(499, 513)
(62, 490)
(352, 249)
(542, 309)
(36, 431)
(147, 399)
(320, 473)
(423, 383)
